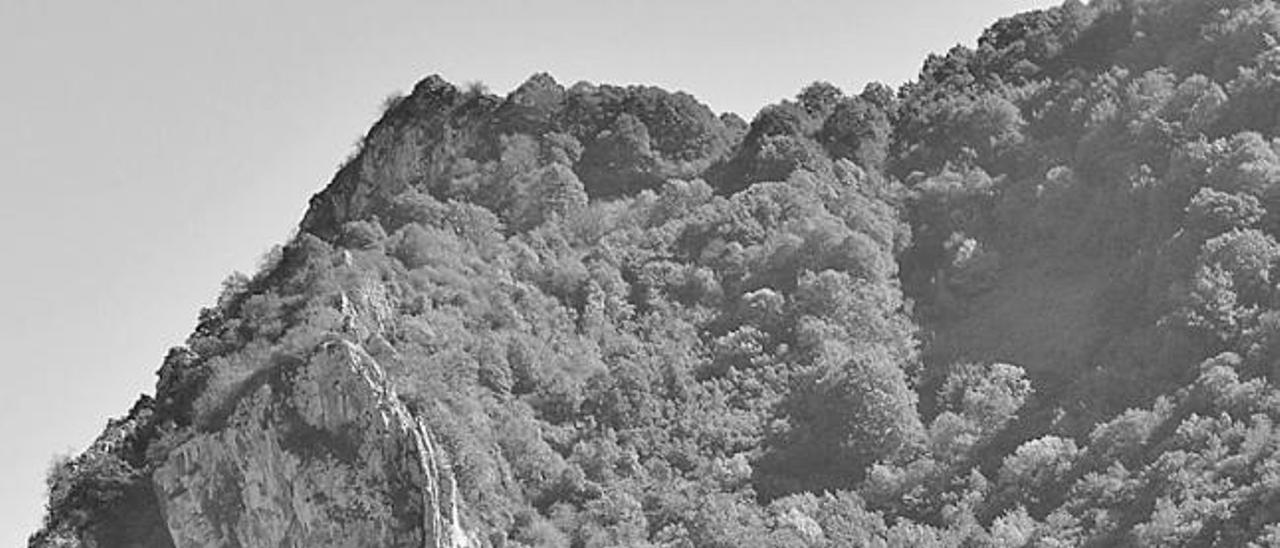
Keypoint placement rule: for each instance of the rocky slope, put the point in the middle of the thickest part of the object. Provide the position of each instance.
(320, 453)
(314, 452)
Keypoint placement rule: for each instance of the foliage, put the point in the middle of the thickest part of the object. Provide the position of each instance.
(633, 322)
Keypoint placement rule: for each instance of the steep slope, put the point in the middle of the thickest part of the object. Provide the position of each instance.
(542, 291)
(605, 316)
(314, 454)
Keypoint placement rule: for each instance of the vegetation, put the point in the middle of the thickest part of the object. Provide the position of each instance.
(1026, 300)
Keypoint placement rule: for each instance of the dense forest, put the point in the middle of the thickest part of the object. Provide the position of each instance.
(1023, 300)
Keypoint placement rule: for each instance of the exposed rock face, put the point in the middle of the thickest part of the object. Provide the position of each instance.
(321, 453)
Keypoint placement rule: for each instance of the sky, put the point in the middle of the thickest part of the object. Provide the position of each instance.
(151, 148)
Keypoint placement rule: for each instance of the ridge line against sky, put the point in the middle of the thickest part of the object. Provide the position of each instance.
(154, 147)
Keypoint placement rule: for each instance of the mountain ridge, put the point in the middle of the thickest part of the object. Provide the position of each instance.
(1026, 300)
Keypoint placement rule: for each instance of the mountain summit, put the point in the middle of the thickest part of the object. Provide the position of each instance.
(1024, 300)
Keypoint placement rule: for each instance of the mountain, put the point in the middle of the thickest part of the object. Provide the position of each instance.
(1024, 300)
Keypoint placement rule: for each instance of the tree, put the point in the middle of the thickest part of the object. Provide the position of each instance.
(1213, 212)
(1246, 163)
(1247, 256)
(1036, 469)
(620, 160)
(819, 99)
(550, 192)
(976, 402)
(858, 130)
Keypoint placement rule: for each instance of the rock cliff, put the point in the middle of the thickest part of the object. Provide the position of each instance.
(320, 453)
(317, 452)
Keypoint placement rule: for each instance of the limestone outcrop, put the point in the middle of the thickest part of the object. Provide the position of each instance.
(321, 453)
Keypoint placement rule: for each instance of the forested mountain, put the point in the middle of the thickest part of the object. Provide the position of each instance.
(1024, 300)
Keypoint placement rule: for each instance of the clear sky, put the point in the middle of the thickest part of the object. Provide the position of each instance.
(150, 148)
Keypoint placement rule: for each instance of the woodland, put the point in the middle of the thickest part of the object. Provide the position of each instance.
(1023, 300)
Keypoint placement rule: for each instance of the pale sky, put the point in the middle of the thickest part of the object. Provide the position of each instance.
(150, 148)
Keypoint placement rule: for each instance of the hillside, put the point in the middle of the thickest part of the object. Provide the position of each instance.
(1024, 300)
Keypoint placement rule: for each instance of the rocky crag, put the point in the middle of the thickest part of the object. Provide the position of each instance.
(313, 446)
